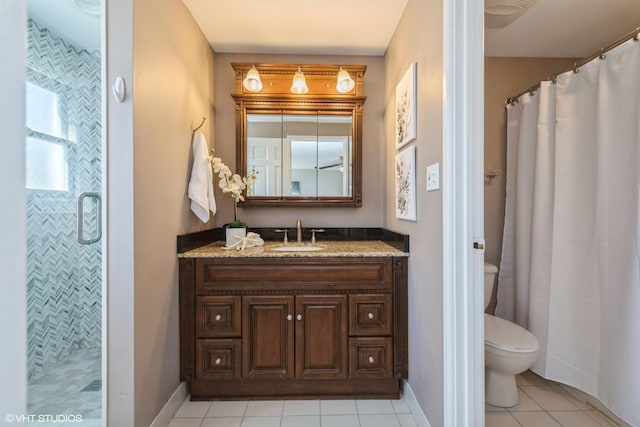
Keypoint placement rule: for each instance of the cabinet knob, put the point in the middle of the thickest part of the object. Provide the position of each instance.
(218, 361)
(370, 315)
(299, 317)
(218, 317)
(289, 317)
(371, 359)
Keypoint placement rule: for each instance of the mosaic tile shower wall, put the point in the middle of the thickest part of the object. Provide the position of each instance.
(64, 277)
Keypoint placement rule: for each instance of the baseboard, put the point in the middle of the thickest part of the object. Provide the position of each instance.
(171, 407)
(410, 399)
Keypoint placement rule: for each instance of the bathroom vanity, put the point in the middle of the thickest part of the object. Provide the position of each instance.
(267, 323)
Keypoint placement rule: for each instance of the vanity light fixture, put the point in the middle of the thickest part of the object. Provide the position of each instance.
(252, 82)
(344, 82)
(299, 84)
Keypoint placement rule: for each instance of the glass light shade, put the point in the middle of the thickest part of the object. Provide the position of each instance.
(344, 83)
(252, 82)
(299, 84)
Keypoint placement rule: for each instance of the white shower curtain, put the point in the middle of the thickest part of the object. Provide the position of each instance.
(570, 268)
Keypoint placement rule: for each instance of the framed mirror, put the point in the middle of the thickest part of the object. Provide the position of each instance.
(306, 150)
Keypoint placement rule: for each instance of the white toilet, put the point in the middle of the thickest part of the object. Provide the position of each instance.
(508, 350)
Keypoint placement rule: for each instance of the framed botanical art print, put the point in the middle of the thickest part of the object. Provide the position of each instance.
(406, 128)
(405, 171)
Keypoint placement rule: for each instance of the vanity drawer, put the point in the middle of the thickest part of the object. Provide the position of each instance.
(287, 273)
(218, 316)
(218, 359)
(370, 315)
(370, 357)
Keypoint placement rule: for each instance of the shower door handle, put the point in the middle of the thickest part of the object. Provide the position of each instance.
(98, 234)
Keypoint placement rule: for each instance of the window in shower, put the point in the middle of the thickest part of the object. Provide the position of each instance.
(48, 140)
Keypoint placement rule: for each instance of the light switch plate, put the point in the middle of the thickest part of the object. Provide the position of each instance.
(433, 177)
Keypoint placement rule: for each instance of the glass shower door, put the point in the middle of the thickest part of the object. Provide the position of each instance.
(64, 223)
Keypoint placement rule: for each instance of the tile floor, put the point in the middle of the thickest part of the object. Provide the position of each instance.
(294, 413)
(544, 403)
(59, 389)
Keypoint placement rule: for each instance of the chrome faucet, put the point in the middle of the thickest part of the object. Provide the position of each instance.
(299, 231)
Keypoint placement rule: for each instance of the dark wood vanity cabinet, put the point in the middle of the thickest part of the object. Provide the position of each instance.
(293, 327)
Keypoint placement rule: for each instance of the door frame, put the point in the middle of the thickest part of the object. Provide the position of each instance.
(118, 345)
(118, 301)
(13, 226)
(463, 218)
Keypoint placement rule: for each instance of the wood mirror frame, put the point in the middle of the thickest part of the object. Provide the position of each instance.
(322, 99)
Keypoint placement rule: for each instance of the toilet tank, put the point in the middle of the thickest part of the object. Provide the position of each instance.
(490, 275)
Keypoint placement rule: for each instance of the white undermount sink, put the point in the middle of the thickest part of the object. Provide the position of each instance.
(297, 248)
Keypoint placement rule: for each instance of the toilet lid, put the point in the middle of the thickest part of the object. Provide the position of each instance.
(505, 335)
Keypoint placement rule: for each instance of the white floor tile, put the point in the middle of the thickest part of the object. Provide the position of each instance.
(535, 419)
(578, 403)
(401, 407)
(406, 420)
(548, 398)
(600, 419)
(301, 421)
(338, 407)
(526, 403)
(227, 409)
(185, 422)
(261, 422)
(574, 419)
(191, 409)
(301, 407)
(264, 408)
(340, 421)
(500, 419)
(379, 420)
(222, 422)
(374, 406)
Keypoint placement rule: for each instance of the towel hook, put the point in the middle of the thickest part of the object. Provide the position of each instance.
(193, 131)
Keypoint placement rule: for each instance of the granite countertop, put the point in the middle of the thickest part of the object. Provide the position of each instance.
(368, 248)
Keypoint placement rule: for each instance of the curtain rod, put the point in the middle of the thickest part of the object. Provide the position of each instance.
(576, 66)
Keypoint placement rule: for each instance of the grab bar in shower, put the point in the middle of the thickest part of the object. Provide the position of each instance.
(98, 234)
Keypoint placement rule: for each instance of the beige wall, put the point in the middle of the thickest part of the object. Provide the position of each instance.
(373, 143)
(505, 77)
(172, 89)
(418, 38)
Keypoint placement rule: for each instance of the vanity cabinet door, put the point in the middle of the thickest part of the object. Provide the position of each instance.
(267, 337)
(321, 337)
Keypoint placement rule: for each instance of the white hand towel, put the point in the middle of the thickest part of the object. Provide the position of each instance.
(201, 183)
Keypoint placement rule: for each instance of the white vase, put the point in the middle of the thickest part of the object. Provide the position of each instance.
(235, 234)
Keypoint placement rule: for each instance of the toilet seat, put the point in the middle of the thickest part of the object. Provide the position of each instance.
(504, 335)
